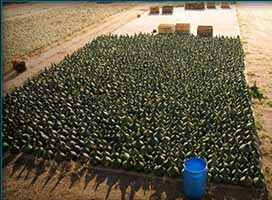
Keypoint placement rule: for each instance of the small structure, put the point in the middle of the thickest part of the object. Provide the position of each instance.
(18, 65)
(167, 9)
(211, 4)
(194, 5)
(225, 5)
(182, 28)
(154, 10)
(205, 31)
(166, 28)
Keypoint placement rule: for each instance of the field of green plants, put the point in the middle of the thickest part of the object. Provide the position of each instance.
(142, 103)
(30, 28)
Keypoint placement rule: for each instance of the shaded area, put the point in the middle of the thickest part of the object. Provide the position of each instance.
(129, 184)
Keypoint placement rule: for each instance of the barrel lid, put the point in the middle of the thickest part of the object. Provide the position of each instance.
(195, 165)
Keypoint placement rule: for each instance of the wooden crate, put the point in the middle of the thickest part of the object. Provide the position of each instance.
(194, 5)
(154, 10)
(225, 5)
(205, 31)
(167, 9)
(179, 5)
(166, 28)
(211, 5)
(182, 28)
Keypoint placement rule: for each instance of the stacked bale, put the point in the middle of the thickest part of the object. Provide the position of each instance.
(205, 31)
(154, 10)
(166, 28)
(194, 5)
(167, 9)
(225, 5)
(183, 28)
(211, 5)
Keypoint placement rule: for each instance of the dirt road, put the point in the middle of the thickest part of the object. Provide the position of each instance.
(224, 21)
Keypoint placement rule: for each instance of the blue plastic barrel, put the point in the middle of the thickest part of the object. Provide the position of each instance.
(195, 177)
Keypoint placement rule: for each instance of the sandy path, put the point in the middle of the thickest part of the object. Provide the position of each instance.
(224, 21)
(54, 55)
(255, 19)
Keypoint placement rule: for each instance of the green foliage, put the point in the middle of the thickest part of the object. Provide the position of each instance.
(256, 92)
(143, 103)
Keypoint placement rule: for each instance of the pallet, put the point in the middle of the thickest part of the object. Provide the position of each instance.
(225, 5)
(211, 5)
(166, 28)
(167, 9)
(205, 31)
(182, 28)
(194, 5)
(154, 10)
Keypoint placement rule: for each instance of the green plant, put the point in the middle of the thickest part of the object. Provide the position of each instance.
(256, 92)
(143, 103)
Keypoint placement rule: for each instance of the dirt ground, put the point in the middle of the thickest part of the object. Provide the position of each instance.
(25, 178)
(31, 28)
(255, 21)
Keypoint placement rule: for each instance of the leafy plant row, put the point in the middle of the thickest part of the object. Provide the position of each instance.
(143, 103)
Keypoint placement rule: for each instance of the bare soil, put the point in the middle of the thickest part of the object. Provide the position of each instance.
(26, 178)
(29, 178)
(31, 28)
(255, 19)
